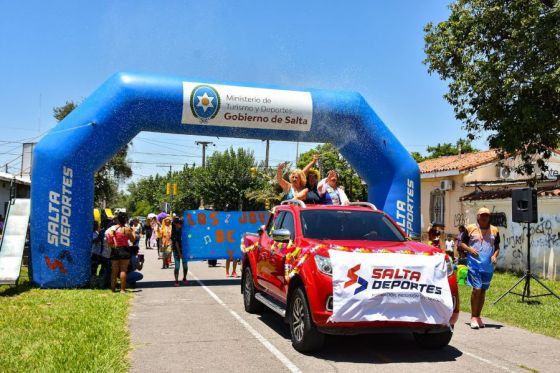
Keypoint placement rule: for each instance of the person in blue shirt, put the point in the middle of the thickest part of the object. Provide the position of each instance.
(481, 242)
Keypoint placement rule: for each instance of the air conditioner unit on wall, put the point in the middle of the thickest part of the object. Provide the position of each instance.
(446, 185)
(503, 173)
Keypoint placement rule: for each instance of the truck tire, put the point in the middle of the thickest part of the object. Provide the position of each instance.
(305, 336)
(252, 305)
(433, 341)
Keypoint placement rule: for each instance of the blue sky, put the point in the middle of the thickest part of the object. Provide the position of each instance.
(55, 51)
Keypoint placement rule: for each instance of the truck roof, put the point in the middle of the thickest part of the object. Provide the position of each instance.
(352, 206)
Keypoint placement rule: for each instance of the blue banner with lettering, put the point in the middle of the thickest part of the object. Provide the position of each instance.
(216, 234)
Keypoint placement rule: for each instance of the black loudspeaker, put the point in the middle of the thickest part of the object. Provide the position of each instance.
(524, 205)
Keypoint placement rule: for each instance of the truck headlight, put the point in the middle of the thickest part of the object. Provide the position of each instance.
(323, 264)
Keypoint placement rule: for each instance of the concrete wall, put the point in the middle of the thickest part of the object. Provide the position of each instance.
(22, 191)
(454, 212)
(4, 196)
(488, 172)
(545, 236)
(453, 209)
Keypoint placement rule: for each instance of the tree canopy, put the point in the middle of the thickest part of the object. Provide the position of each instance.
(445, 149)
(501, 60)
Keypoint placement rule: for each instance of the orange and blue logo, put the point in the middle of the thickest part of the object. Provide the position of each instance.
(354, 278)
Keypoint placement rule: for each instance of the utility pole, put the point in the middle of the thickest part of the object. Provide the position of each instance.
(297, 152)
(204, 145)
(169, 176)
(267, 154)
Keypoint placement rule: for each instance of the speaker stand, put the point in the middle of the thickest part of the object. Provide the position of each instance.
(527, 278)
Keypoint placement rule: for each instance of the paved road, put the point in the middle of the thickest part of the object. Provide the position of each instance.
(203, 327)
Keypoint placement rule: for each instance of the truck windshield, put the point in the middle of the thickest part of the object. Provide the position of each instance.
(348, 225)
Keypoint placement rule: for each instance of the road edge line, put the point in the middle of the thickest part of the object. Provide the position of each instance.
(486, 361)
(269, 346)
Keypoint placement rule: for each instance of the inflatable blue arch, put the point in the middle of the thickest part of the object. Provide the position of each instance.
(66, 159)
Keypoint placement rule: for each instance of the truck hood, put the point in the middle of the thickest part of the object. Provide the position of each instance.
(408, 247)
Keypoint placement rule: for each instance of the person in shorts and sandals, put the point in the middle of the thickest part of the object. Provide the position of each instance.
(119, 237)
(178, 256)
(166, 229)
(481, 242)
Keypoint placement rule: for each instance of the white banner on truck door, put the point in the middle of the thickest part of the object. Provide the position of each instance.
(390, 287)
(246, 107)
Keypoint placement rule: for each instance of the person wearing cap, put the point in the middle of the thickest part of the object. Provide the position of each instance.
(481, 242)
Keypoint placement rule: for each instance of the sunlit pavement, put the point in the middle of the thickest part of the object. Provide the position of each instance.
(204, 328)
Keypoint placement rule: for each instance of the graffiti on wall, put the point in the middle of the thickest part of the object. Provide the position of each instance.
(545, 246)
(545, 239)
(460, 219)
(498, 219)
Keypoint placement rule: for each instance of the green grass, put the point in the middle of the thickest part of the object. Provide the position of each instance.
(540, 316)
(76, 330)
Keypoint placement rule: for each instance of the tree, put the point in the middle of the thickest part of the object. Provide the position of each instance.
(60, 112)
(501, 59)
(446, 149)
(224, 182)
(108, 177)
(148, 194)
(418, 157)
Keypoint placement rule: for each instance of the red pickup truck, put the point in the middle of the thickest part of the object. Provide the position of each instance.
(287, 268)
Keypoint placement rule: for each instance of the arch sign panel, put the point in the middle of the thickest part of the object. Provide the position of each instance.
(66, 159)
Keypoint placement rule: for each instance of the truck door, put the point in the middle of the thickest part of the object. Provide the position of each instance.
(277, 260)
(264, 250)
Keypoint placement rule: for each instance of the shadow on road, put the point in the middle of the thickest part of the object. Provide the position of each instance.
(170, 283)
(488, 326)
(372, 348)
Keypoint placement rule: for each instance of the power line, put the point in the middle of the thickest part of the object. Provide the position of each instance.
(7, 163)
(165, 154)
(157, 163)
(164, 142)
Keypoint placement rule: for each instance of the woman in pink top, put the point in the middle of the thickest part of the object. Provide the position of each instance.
(120, 251)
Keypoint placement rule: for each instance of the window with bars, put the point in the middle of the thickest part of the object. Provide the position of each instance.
(437, 207)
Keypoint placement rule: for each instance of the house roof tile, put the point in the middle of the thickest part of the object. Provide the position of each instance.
(458, 162)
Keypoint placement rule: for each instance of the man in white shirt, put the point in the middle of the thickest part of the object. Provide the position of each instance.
(450, 247)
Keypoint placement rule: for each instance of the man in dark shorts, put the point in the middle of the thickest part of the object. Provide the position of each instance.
(179, 258)
(481, 242)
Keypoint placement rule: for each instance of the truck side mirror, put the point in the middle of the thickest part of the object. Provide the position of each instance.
(281, 235)
(261, 230)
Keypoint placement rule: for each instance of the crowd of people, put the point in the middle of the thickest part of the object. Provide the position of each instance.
(305, 186)
(115, 252)
(116, 246)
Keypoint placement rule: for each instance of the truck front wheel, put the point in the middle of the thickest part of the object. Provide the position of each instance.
(305, 336)
(252, 305)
